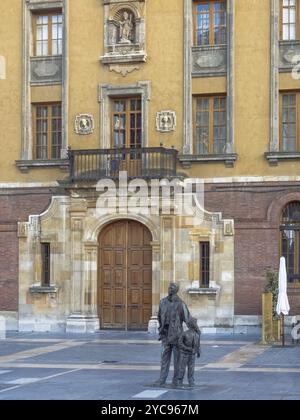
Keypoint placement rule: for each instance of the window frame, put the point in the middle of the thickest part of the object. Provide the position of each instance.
(128, 112)
(297, 23)
(204, 271)
(46, 264)
(211, 122)
(211, 36)
(49, 14)
(281, 95)
(50, 118)
(284, 226)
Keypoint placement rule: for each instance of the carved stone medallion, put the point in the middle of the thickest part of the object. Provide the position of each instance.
(84, 124)
(166, 121)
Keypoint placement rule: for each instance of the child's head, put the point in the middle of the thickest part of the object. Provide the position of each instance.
(192, 324)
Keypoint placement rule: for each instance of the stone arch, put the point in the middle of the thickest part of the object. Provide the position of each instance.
(278, 204)
(93, 231)
(118, 9)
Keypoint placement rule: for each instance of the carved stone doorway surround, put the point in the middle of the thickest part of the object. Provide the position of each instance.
(84, 316)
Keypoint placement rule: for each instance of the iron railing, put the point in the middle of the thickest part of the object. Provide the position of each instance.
(146, 163)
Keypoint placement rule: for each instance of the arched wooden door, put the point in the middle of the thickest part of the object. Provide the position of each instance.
(125, 276)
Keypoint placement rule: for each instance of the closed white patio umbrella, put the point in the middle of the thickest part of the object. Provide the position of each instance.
(283, 306)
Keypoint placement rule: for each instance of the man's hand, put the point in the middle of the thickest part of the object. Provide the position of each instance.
(198, 354)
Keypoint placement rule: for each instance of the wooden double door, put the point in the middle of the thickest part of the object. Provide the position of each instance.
(125, 276)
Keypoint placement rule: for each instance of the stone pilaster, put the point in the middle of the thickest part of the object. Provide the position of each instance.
(91, 318)
(153, 322)
(26, 149)
(230, 75)
(65, 79)
(167, 254)
(188, 99)
(79, 320)
(274, 77)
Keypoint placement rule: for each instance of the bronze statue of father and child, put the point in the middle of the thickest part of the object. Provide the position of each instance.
(184, 345)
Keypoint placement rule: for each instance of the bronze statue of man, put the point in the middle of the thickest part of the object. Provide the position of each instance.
(171, 315)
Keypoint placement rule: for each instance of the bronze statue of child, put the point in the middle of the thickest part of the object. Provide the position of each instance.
(189, 347)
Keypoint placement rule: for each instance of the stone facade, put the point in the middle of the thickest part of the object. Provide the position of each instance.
(72, 226)
(145, 50)
(244, 244)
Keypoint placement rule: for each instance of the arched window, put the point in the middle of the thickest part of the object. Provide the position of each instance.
(290, 240)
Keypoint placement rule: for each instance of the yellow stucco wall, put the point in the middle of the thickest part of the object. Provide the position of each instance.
(164, 69)
(44, 94)
(10, 88)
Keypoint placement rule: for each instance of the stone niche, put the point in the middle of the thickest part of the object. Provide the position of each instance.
(124, 31)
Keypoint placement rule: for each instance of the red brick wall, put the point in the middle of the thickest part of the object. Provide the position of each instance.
(15, 206)
(256, 210)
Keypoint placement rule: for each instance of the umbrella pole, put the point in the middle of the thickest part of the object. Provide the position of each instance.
(282, 330)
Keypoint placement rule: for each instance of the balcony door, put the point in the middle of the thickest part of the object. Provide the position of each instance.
(125, 276)
(127, 134)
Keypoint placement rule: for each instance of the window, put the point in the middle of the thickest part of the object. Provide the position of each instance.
(289, 26)
(210, 23)
(46, 265)
(47, 131)
(290, 109)
(127, 123)
(48, 30)
(210, 125)
(204, 264)
(290, 240)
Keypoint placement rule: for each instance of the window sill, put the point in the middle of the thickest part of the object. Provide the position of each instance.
(43, 290)
(275, 157)
(45, 57)
(209, 47)
(228, 159)
(290, 42)
(202, 291)
(130, 57)
(25, 165)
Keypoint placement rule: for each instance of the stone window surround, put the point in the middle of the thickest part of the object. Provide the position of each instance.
(188, 156)
(26, 160)
(274, 155)
(106, 92)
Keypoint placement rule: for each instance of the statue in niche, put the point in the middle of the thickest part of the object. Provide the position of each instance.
(126, 28)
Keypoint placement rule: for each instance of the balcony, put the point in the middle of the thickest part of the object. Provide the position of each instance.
(146, 163)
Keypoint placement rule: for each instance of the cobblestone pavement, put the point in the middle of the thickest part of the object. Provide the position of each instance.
(122, 366)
